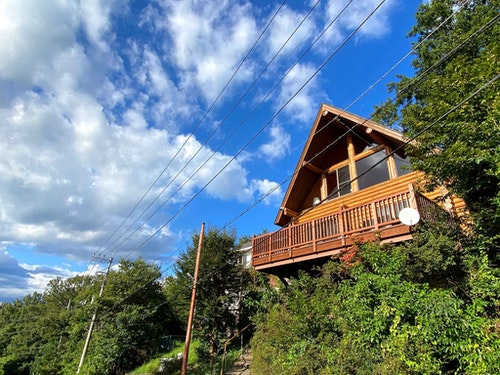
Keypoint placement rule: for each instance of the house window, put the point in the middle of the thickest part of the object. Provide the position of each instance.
(372, 169)
(338, 182)
(402, 165)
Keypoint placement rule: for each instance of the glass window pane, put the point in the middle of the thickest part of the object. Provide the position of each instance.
(403, 165)
(331, 183)
(338, 182)
(344, 180)
(378, 173)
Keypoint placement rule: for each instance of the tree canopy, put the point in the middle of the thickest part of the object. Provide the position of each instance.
(45, 333)
(219, 299)
(451, 106)
(430, 305)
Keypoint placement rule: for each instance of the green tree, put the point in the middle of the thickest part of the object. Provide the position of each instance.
(218, 289)
(452, 105)
(44, 333)
(133, 315)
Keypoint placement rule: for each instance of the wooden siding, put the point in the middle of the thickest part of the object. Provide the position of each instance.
(335, 225)
(361, 197)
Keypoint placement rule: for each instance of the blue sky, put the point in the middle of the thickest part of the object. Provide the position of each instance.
(107, 106)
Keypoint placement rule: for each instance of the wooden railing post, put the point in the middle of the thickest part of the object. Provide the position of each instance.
(269, 247)
(374, 215)
(413, 198)
(342, 224)
(314, 235)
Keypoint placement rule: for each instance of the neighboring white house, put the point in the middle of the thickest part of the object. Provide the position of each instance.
(245, 258)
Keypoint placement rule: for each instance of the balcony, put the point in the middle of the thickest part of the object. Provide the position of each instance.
(329, 235)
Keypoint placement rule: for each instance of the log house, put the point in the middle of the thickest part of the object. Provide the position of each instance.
(351, 182)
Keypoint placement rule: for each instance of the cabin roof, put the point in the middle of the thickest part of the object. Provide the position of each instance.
(324, 141)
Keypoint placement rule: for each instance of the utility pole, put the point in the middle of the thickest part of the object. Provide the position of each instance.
(92, 322)
(193, 300)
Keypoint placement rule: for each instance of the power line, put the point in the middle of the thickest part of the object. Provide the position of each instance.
(326, 147)
(345, 41)
(190, 135)
(486, 85)
(263, 127)
(218, 127)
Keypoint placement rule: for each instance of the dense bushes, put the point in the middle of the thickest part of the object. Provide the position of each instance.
(372, 315)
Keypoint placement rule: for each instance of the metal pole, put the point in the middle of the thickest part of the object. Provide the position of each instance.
(91, 327)
(193, 300)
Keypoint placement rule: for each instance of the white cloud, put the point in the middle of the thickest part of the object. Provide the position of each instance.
(278, 146)
(27, 43)
(207, 41)
(18, 279)
(303, 106)
(356, 13)
(270, 191)
(95, 17)
(282, 28)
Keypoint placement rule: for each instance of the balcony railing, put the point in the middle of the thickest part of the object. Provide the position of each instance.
(338, 230)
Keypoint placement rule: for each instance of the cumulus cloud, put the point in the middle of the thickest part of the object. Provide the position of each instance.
(303, 100)
(92, 113)
(269, 191)
(289, 31)
(18, 279)
(278, 146)
(27, 44)
(207, 41)
(355, 13)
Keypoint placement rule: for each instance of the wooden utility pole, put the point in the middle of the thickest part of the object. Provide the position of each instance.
(92, 322)
(193, 300)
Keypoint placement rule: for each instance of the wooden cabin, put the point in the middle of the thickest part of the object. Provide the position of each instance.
(352, 181)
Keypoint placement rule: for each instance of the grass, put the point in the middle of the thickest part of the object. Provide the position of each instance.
(153, 366)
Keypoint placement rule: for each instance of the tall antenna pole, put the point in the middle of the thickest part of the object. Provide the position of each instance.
(91, 327)
(193, 300)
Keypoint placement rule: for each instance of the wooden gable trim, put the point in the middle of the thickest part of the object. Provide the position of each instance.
(290, 213)
(369, 124)
(376, 131)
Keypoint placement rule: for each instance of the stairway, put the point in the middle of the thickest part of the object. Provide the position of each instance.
(242, 365)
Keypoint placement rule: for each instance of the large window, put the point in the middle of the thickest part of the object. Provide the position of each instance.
(372, 169)
(402, 165)
(338, 182)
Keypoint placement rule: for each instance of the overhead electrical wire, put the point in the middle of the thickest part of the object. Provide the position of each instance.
(487, 84)
(282, 183)
(213, 153)
(421, 76)
(492, 21)
(274, 116)
(206, 113)
(151, 236)
(246, 119)
(370, 87)
(282, 107)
